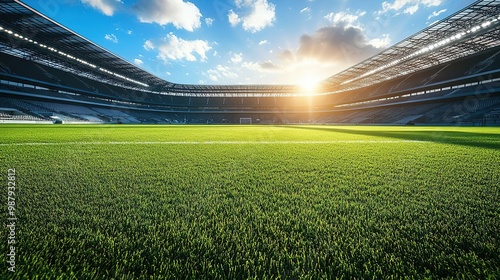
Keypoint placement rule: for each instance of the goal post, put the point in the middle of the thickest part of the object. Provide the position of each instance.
(245, 120)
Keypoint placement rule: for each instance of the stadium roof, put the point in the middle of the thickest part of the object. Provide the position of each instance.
(49, 36)
(468, 31)
(26, 32)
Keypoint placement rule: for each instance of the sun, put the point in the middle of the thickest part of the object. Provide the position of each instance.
(309, 86)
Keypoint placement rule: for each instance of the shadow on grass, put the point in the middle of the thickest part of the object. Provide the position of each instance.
(473, 139)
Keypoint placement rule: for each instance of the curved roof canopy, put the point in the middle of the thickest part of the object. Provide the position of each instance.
(468, 31)
(27, 33)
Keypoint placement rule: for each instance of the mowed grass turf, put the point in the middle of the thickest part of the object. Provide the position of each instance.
(258, 202)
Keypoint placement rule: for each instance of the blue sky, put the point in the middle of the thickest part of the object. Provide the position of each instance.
(246, 41)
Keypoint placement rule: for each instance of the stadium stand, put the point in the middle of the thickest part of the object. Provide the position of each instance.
(448, 73)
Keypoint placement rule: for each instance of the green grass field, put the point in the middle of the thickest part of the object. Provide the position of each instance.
(258, 202)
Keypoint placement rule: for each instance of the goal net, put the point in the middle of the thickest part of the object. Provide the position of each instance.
(245, 120)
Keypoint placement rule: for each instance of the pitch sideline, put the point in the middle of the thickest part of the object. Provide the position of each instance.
(214, 142)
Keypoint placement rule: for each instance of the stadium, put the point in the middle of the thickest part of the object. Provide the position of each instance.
(387, 169)
(423, 79)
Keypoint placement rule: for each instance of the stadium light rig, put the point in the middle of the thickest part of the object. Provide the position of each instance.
(81, 61)
(429, 48)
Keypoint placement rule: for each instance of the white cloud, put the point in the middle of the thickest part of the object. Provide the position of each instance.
(226, 72)
(345, 18)
(233, 18)
(436, 13)
(209, 21)
(431, 3)
(396, 6)
(262, 67)
(263, 42)
(174, 48)
(236, 72)
(221, 72)
(185, 15)
(429, 24)
(257, 14)
(148, 45)
(213, 77)
(409, 6)
(306, 11)
(111, 37)
(379, 43)
(254, 66)
(411, 10)
(138, 61)
(237, 58)
(107, 7)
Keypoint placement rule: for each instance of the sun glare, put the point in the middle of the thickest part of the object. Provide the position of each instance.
(309, 86)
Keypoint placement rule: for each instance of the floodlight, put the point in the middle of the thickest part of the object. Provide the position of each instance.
(71, 57)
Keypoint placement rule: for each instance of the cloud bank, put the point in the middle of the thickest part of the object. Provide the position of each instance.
(173, 48)
(185, 15)
(107, 7)
(181, 14)
(254, 15)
